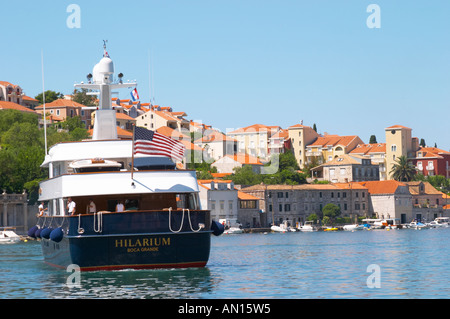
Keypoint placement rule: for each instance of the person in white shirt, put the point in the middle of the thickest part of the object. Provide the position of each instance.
(120, 207)
(91, 207)
(42, 210)
(71, 206)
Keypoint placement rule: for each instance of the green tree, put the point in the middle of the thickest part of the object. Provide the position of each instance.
(331, 211)
(83, 98)
(422, 142)
(315, 127)
(373, 139)
(50, 96)
(403, 170)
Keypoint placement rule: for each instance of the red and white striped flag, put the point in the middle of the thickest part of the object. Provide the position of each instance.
(152, 143)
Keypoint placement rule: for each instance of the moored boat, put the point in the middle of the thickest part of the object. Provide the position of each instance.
(353, 227)
(111, 207)
(8, 236)
(440, 222)
(308, 226)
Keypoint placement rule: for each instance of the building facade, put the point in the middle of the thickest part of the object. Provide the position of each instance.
(294, 203)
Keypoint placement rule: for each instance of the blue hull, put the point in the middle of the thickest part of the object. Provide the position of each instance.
(132, 240)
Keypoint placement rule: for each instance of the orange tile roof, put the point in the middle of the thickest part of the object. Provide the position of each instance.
(350, 185)
(14, 106)
(245, 159)
(297, 126)
(6, 83)
(61, 103)
(170, 132)
(431, 152)
(214, 137)
(28, 98)
(245, 196)
(332, 140)
(256, 128)
(396, 126)
(369, 148)
(382, 187)
(123, 116)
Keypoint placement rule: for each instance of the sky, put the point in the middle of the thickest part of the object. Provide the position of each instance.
(232, 64)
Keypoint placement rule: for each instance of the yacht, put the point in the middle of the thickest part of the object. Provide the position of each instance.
(308, 226)
(440, 222)
(8, 236)
(111, 207)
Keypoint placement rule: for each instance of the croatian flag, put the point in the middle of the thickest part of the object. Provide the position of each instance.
(148, 142)
(134, 95)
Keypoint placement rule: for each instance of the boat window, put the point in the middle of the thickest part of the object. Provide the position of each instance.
(189, 201)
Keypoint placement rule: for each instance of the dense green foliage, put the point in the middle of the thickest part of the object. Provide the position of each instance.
(288, 173)
(50, 96)
(23, 149)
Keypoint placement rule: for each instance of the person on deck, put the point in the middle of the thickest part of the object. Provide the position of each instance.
(71, 206)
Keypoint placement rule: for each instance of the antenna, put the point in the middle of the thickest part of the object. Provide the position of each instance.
(43, 100)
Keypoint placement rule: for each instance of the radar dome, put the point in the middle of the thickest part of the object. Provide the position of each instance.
(103, 70)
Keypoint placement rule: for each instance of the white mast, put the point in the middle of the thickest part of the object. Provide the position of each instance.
(101, 80)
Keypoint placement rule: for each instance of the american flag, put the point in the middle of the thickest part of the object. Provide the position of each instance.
(152, 143)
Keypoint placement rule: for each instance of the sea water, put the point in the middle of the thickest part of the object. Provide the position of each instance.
(373, 264)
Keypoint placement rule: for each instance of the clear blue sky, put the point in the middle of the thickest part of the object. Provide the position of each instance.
(237, 63)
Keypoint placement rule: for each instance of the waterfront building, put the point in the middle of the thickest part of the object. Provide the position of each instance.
(220, 197)
(390, 199)
(300, 136)
(294, 203)
(228, 163)
(431, 161)
(428, 203)
(254, 139)
(399, 142)
(376, 152)
(249, 214)
(15, 212)
(216, 145)
(345, 168)
(326, 148)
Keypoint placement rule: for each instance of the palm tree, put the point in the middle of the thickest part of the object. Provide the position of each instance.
(403, 171)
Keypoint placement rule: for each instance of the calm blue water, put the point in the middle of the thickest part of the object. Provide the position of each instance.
(412, 264)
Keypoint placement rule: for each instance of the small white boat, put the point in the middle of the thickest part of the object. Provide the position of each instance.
(282, 228)
(233, 230)
(8, 236)
(353, 227)
(417, 225)
(440, 222)
(307, 227)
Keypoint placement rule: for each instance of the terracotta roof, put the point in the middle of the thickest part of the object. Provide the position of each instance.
(428, 188)
(281, 134)
(428, 152)
(170, 132)
(214, 137)
(344, 159)
(396, 126)
(245, 196)
(6, 83)
(332, 140)
(382, 187)
(256, 128)
(366, 149)
(61, 103)
(123, 116)
(14, 106)
(297, 126)
(28, 98)
(245, 159)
